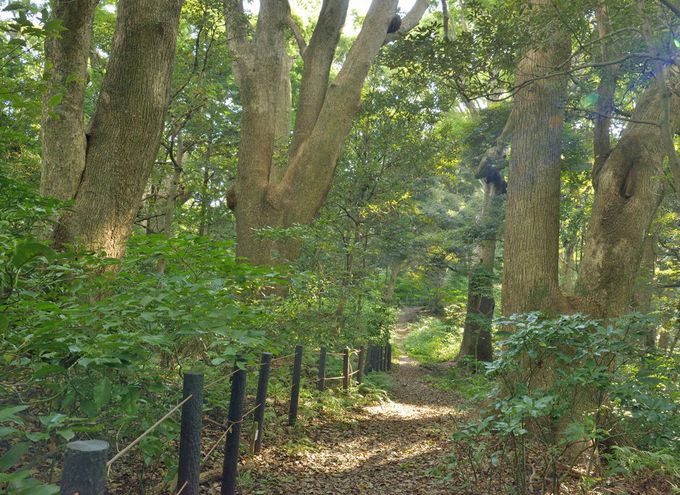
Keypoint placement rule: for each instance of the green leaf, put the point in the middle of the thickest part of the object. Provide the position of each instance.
(6, 431)
(37, 436)
(9, 412)
(13, 455)
(66, 434)
(102, 392)
(27, 251)
(40, 490)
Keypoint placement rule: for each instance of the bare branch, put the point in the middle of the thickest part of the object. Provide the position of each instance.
(302, 44)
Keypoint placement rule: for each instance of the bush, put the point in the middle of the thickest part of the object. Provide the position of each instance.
(575, 386)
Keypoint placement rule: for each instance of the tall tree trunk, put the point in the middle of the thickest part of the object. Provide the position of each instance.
(530, 275)
(274, 188)
(204, 225)
(481, 303)
(124, 135)
(394, 270)
(63, 107)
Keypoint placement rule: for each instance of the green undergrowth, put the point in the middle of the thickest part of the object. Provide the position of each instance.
(431, 340)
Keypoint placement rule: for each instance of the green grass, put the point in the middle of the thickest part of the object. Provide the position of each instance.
(430, 340)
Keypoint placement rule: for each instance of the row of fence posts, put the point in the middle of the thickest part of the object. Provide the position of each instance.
(85, 461)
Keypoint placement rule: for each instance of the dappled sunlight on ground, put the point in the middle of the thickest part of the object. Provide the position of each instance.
(399, 446)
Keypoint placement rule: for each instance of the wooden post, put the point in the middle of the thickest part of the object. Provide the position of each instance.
(345, 369)
(389, 357)
(370, 364)
(231, 446)
(321, 383)
(260, 399)
(85, 468)
(190, 435)
(295, 387)
(381, 360)
(362, 358)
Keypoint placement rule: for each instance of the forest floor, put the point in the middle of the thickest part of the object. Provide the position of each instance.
(399, 446)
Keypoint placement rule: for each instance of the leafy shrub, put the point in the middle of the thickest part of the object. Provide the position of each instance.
(576, 386)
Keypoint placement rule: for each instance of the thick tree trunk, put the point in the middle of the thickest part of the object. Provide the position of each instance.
(125, 131)
(274, 189)
(629, 191)
(481, 303)
(63, 117)
(530, 275)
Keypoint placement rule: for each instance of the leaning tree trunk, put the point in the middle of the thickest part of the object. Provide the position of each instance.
(629, 190)
(124, 133)
(531, 249)
(275, 188)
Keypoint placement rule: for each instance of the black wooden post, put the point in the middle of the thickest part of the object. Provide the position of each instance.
(345, 369)
(190, 435)
(362, 357)
(381, 360)
(388, 362)
(231, 447)
(321, 383)
(261, 398)
(295, 387)
(85, 468)
(370, 362)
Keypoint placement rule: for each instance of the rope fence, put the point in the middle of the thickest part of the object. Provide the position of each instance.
(86, 467)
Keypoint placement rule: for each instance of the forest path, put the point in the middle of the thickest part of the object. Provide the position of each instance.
(391, 448)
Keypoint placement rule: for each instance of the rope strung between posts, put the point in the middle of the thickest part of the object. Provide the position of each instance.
(179, 492)
(226, 432)
(216, 444)
(222, 378)
(149, 430)
(287, 356)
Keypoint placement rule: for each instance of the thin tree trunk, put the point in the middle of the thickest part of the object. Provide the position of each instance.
(642, 294)
(477, 342)
(124, 135)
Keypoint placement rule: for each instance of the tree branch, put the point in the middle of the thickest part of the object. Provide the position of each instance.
(318, 57)
(672, 7)
(299, 39)
(410, 20)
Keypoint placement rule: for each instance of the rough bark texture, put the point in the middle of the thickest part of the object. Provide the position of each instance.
(530, 276)
(480, 303)
(125, 131)
(629, 191)
(274, 188)
(63, 118)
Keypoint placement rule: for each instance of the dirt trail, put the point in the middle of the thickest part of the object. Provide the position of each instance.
(391, 448)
